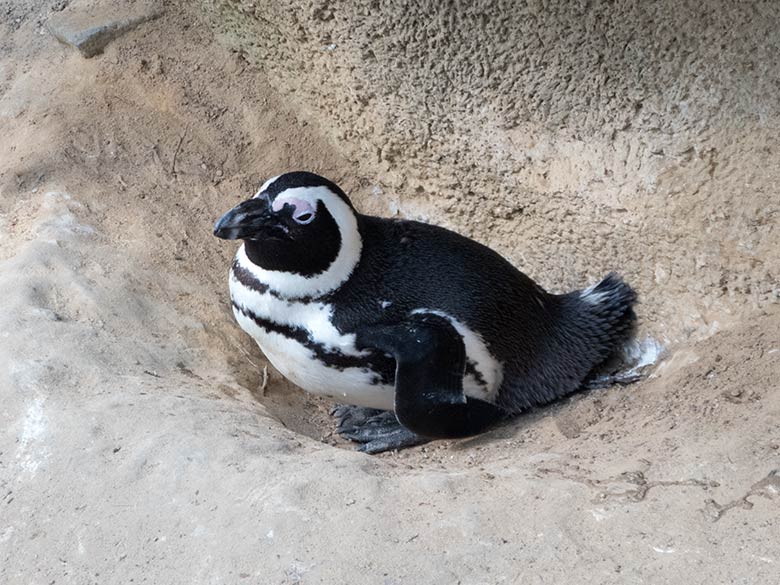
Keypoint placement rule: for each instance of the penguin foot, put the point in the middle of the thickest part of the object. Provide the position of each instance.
(605, 380)
(377, 430)
(349, 417)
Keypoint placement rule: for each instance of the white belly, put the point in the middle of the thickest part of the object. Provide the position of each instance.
(299, 365)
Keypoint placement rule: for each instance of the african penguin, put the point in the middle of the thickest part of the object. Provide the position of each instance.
(433, 334)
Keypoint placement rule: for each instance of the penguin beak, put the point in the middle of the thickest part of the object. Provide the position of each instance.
(247, 220)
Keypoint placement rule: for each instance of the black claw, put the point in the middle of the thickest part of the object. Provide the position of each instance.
(351, 418)
(339, 410)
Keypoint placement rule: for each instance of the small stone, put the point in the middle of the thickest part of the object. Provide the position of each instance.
(91, 31)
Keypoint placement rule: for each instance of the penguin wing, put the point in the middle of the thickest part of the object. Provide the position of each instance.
(430, 363)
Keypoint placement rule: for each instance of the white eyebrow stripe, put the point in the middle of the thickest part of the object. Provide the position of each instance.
(265, 186)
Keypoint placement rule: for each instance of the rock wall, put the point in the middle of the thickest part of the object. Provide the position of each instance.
(574, 137)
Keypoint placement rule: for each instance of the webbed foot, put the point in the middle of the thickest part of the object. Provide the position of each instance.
(377, 430)
(605, 380)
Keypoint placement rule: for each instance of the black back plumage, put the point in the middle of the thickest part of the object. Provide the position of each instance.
(547, 343)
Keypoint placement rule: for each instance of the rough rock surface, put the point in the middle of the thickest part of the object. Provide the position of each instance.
(89, 29)
(136, 444)
(575, 137)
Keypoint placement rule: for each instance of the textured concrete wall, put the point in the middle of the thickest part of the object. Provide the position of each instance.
(574, 137)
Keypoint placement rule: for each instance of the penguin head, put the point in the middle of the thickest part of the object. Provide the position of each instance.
(300, 233)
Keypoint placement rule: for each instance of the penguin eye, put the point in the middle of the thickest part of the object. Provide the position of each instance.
(304, 218)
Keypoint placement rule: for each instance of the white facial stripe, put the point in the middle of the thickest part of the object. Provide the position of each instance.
(294, 285)
(314, 317)
(265, 186)
(492, 371)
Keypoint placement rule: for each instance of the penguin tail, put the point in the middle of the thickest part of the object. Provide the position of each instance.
(602, 316)
(590, 327)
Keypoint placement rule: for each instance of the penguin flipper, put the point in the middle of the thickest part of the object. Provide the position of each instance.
(430, 363)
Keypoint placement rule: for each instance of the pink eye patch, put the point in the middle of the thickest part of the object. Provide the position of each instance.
(303, 211)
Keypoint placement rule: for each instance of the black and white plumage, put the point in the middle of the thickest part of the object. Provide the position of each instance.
(407, 317)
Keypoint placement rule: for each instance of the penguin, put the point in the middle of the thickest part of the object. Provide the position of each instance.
(421, 333)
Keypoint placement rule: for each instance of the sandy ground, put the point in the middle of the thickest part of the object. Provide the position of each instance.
(136, 444)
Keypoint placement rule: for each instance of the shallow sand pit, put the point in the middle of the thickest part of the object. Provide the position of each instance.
(135, 443)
